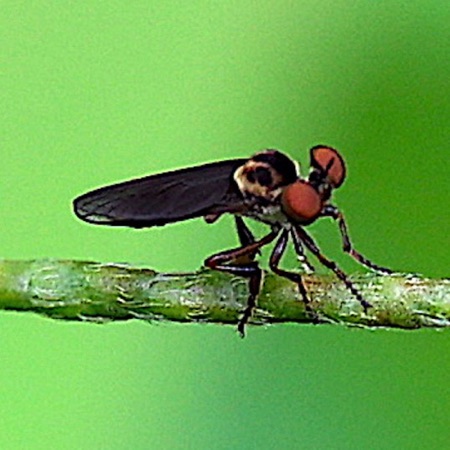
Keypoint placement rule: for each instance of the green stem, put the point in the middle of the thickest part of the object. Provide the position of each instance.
(79, 290)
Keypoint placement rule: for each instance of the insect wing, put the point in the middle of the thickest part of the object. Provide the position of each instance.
(163, 198)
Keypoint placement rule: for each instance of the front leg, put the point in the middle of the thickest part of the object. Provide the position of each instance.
(334, 213)
(231, 261)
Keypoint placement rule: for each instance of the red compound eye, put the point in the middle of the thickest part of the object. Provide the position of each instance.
(330, 161)
(301, 202)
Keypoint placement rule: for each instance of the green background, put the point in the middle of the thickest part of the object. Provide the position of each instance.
(96, 92)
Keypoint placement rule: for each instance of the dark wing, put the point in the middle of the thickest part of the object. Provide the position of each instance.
(163, 198)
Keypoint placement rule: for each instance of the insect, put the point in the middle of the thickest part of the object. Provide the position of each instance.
(267, 188)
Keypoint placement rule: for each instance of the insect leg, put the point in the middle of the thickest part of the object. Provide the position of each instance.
(334, 213)
(245, 238)
(214, 261)
(228, 261)
(245, 235)
(300, 252)
(312, 247)
(274, 262)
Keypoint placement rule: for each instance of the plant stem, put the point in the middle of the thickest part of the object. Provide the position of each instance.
(79, 290)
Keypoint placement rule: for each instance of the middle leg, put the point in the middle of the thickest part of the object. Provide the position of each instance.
(314, 249)
(274, 262)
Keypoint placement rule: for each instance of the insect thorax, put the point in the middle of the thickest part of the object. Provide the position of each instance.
(268, 213)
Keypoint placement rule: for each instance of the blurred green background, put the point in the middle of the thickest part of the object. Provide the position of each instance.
(96, 92)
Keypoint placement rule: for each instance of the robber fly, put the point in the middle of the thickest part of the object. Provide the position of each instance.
(267, 188)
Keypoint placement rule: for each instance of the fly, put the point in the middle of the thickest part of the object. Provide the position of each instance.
(267, 188)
